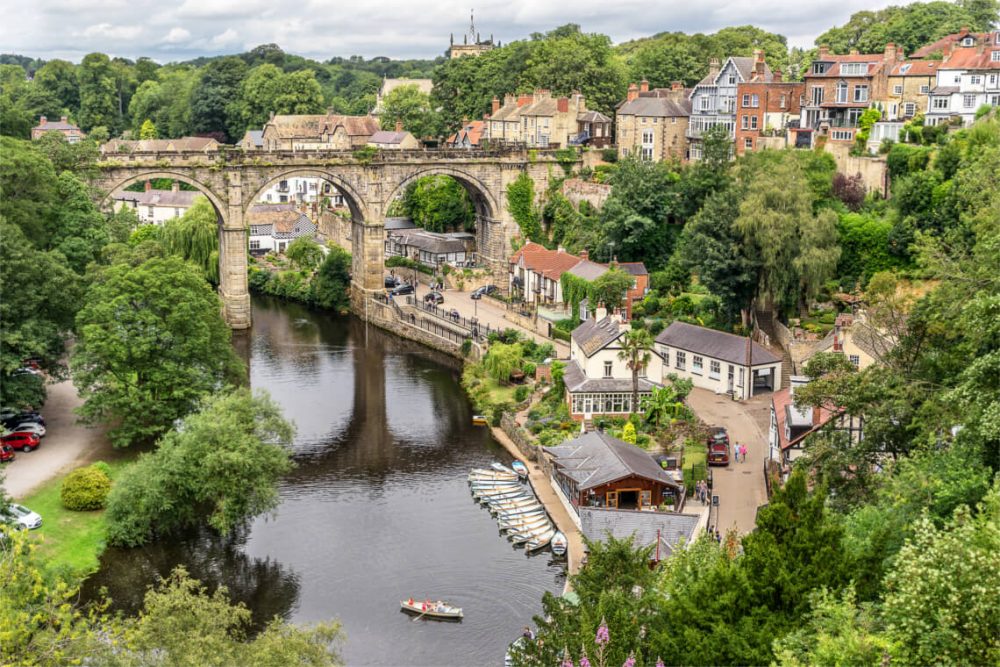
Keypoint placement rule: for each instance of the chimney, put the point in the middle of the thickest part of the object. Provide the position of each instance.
(584, 255)
(496, 104)
(824, 52)
(644, 86)
(149, 185)
(509, 98)
(524, 100)
(562, 105)
(633, 92)
(758, 64)
(777, 76)
(854, 52)
(176, 186)
(713, 66)
(42, 121)
(399, 126)
(65, 119)
(600, 313)
(676, 85)
(890, 52)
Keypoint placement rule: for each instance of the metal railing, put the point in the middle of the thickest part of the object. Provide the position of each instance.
(475, 328)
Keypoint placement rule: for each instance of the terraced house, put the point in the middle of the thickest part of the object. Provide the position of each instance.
(967, 79)
(540, 120)
(318, 132)
(653, 124)
(713, 99)
(765, 108)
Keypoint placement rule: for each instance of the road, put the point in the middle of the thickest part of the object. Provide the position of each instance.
(740, 486)
(66, 446)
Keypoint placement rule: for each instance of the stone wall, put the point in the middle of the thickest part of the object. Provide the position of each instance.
(576, 191)
(528, 448)
(873, 170)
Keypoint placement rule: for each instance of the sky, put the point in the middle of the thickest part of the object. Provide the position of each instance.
(320, 29)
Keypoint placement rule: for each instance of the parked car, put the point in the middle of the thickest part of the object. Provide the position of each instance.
(718, 447)
(22, 441)
(434, 297)
(402, 289)
(392, 281)
(6, 453)
(25, 518)
(480, 292)
(30, 427)
(12, 420)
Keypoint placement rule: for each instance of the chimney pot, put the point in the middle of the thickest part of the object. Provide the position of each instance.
(644, 86)
(149, 185)
(43, 120)
(562, 104)
(777, 76)
(496, 104)
(824, 51)
(676, 85)
(633, 92)
(399, 126)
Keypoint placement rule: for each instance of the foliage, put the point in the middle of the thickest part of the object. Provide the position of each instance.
(850, 190)
(665, 405)
(411, 107)
(574, 291)
(503, 359)
(439, 203)
(304, 253)
(195, 237)
(85, 489)
(628, 434)
(824, 363)
(636, 352)
(148, 130)
(221, 465)
(609, 289)
(332, 283)
(521, 202)
(151, 343)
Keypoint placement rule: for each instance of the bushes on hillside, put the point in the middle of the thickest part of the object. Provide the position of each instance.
(85, 489)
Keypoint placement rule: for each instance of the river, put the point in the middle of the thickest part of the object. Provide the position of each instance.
(377, 509)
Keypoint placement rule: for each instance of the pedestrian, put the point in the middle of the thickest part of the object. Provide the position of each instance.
(704, 492)
(744, 453)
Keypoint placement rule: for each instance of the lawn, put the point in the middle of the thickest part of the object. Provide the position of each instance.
(71, 539)
(499, 393)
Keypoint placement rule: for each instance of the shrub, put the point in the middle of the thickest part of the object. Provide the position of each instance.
(529, 368)
(609, 155)
(521, 394)
(85, 489)
(102, 466)
(628, 433)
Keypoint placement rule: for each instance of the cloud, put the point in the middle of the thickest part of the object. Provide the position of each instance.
(394, 28)
(176, 36)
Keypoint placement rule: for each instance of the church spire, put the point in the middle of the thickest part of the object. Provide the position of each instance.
(472, 26)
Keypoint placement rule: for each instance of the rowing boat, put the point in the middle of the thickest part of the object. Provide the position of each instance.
(514, 523)
(503, 505)
(493, 480)
(438, 609)
(479, 420)
(504, 497)
(519, 526)
(529, 535)
(559, 544)
(539, 542)
(519, 468)
(499, 467)
(510, 513)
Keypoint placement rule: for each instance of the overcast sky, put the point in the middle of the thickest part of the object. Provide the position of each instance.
(182, 29)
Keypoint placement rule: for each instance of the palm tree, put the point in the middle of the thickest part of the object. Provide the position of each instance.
(636, 344)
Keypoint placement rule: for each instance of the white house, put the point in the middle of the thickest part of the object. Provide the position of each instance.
(718, 361)
(535, 272)
(597, 381)
(157, 206)
(431, 248)
(274, 226)
(967, 79)
(302, 189)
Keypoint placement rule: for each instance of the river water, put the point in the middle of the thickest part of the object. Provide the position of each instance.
(376, 511)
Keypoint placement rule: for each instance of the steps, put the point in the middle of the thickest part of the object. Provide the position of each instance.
(765, 322)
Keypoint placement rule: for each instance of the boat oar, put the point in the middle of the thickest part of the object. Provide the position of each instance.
(422, 614)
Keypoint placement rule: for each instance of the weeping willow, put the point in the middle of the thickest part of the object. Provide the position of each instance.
(195, 237)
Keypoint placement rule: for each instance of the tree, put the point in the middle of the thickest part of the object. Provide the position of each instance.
(410, 106)
(628, 433)
(636, 345)
(151, 343)
(521, 202)
(225, 459)
(213, 98)
(98, 93)
(439, 203)
(609, 289)
(665, 404)
(266, 90)
(28, 184)
(824, 363)
(818, 254)
(567, 60)
(58, 77)
(502, 360)
(636, 217)
(332, 282)
(304, 253)
(148, 130)
(80, 230)
(195, 237)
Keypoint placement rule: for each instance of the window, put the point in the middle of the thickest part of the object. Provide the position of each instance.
(746, 100)
(753, 122)
(968, 41)
(855, 359)
(939, 103)
(607, 368)
(696, 364)
(732, 79)
(993, 79)
(673, 120)
(748, 144)
(643, 120)
(647, 153)
(679, 364)
(714, 369)
(255, 244)
(995, 56)
(817, 96)
(968, 101)
(909, 109)
(783, 100)
(924, 90)
(745, 122)
(647, 137)
(820, 68)
(853, 69)
(995, 100)
(705, 102)
(755, 101)
(654, 123)
(897, 90)
(975, 80)
(860, 93)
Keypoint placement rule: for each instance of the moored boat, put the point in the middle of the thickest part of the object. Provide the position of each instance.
(426, 608)
(529, 535)
(480, 420)
(539, 542)
(520, 468)
(499, 467)
(559, 544)
(536, 522)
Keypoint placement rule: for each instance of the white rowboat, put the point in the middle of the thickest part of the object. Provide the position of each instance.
(539, 542)
(559, 544)
(433, 610)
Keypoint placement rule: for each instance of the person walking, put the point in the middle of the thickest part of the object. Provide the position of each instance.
(744, 452)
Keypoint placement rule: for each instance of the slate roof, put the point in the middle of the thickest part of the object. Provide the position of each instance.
(595, 458)
(433, 242)
(547, 106)
(388, 137)
(644, 527)
(592, 117)
(160, 145)
(661, 107)
(165, 198)
(714, 344)
(943, 90)
(282, 221)
(594, 335)
(399, 223)
(255, 137)
(744, 65)
(588, 270)
(56, 125)
(577, 382)
(783, 404)
(633, 268)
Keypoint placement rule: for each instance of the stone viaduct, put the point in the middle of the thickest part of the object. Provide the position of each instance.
(233, 179)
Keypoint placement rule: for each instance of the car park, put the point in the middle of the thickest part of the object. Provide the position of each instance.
(6, 453)
(434, 298)
(23, 441)
(25, 518)
(402, 290)
(392, 281)
(718, 447)
(485, 290)
(30, 427)
(12, 419)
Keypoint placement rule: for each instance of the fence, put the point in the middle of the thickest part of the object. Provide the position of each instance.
(474, 327)
(411, 319)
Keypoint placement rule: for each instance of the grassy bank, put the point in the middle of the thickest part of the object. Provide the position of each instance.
(73, 540)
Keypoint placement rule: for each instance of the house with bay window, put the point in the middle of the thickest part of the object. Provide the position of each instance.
(598, 381)
(967, 79)
(718, 361)
(713, 99)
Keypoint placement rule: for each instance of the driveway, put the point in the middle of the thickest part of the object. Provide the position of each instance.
(740, 486)
(66, 446)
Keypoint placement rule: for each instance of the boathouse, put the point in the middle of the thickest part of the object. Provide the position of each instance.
(665, 531)
(597, 470)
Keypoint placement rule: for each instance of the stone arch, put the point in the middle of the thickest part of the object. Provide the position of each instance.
(485, 201)
(355, 201)
(221, 207)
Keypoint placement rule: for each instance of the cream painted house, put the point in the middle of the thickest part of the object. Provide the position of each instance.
(317, 132)
(856, 339)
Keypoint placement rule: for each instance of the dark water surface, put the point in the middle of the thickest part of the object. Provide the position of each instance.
(377, 510)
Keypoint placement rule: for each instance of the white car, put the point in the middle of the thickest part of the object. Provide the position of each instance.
(29, 427)
(25, 518)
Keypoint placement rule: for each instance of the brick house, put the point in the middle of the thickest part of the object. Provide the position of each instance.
(72, 133)
(839, 88)
(640, 284)
(765, 106)
(713, 99)
(653, 124)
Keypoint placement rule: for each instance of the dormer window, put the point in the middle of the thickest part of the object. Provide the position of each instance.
(995, 56)
(968, 41)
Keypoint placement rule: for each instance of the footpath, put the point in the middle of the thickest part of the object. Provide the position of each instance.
(66, 446)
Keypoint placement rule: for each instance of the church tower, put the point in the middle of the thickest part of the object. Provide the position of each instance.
(471, 44)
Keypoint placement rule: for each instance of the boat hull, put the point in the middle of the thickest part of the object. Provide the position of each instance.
(449, 614)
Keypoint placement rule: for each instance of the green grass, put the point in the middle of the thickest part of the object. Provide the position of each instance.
(499, 393)
(694, 455)
(69, 539)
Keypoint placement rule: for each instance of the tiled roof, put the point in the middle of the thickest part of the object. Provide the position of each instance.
(594, 335)
(971, 58)
(355, 126)
(633, 268)
(646, 528)
(915, 68)
(783, 404)
(473, 131)
(947, 41)
(577, 382)
(714, 344)
(313, 125)
(387, 137)
(433, 242)
(595, 458)
(549, 263)
(507, 112)
(546, 106)
(166, 198)
(181, 144)
(661, 107)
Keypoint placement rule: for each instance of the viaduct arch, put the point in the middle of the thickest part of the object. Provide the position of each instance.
(233, 179)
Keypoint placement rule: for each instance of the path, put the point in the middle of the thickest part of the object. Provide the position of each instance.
(67, 444)
(740, 486)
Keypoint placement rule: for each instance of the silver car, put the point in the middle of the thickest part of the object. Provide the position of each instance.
(29, 427)
(25, 518)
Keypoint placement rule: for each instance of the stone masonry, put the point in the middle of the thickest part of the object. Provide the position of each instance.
(232, 180)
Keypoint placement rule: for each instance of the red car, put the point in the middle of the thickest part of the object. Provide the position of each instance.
(22, 441)
(718, 447)
(6, 453)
